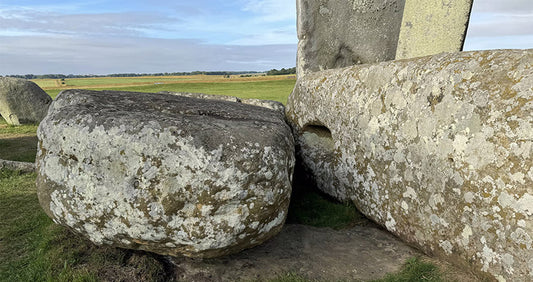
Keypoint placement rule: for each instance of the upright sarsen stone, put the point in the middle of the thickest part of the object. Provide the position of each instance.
(433, 26)
(164, 173)
(437, 149)
(340, 33)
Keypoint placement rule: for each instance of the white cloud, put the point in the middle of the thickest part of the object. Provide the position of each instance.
(497, 24)
(271, 10)
(284, 35)
(106, 24)
(68, 54)
(502, 42)
(502, 25)
(514, 7)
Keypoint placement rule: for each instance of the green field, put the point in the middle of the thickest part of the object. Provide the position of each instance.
(275, 88)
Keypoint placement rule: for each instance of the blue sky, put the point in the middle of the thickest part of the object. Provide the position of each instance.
(103, 36)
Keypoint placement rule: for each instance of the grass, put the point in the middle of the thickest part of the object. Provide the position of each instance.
(309, 206)
(275, 88)
(415, 270)
(33, 248)
(18, 143)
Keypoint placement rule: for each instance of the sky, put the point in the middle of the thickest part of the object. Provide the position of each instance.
(141, 36)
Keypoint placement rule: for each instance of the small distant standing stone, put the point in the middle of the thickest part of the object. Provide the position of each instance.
(22, 101)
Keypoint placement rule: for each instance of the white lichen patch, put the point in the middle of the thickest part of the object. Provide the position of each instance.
(143, 181)
(448, 138)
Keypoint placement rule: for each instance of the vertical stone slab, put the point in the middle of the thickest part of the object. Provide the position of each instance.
(433, 26)
(340, 33)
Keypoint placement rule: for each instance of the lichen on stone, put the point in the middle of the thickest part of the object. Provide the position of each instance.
(438, 149)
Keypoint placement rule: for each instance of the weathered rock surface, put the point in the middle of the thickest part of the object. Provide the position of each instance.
(204, 96)
(22, 101)
(431, 27)
(437, 149)
(273, 105)
(360, 253)
(163, 173)
(338, 33)
(23, 167)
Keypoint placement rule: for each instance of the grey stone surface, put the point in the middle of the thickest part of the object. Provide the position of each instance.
(273, 105)
(437, 149)
(163, 173)
(22, 101)
(339, 33)
(433, 26)
(360, 253)
(204, 96)
(23, 167)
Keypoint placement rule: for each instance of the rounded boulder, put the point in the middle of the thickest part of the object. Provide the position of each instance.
(167, 174)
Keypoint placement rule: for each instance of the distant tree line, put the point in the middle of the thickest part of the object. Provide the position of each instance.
(282, 71)
(62, 76)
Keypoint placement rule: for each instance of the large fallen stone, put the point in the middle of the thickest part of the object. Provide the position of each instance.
(22, 101)
(438, 149)
(433, 26)
(163, 173)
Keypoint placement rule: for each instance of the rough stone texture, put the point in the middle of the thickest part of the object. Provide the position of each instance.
(23, 167)
(163, 173)
(437, 149)
(204, 96)
(360, 253)
(273, 105)
(340, 33)
(431, 27)
(22, 101)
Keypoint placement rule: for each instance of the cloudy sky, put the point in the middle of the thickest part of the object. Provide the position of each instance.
(117, 36)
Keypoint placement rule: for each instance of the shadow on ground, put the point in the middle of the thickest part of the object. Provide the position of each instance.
(20, 148)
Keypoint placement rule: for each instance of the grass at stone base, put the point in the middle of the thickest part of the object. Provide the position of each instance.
(18, 143)
(414, 270)
(33, 248)
(309, 206)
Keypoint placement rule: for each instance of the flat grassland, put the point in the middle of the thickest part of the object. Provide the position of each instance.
(275, 88)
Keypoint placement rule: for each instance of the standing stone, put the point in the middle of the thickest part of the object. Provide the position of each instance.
(437, 149)
(433, 26)
(22, 101)
(164, 173)
(340, 33)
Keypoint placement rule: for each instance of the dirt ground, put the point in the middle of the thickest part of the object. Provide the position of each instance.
(361, 253)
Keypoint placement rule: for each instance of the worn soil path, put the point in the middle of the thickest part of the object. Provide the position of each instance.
(360, 253)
